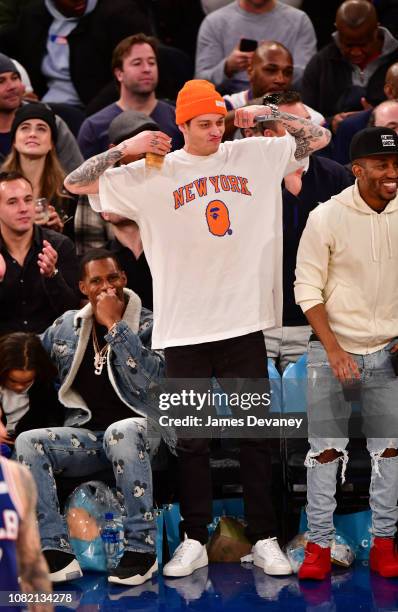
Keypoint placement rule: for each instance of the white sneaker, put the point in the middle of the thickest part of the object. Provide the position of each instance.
(268, 555)
(189, 556)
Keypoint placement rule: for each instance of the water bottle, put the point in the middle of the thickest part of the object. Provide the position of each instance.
(112, 536)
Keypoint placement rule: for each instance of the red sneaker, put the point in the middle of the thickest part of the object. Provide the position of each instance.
(317, 564)
(384, 558)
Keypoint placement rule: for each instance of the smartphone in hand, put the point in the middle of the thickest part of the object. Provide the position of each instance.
(248, 44)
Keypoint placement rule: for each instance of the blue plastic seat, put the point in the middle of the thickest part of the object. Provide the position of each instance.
(294, 386)
(275, 386)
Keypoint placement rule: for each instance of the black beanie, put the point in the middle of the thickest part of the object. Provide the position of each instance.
(35, 110)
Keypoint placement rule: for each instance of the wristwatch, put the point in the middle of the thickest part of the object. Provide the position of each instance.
(54, 273)
(271, 100)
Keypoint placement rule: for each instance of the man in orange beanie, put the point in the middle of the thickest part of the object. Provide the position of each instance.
(211, 225)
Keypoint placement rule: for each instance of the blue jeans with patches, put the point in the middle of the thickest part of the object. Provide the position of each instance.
(71, 451)
(328, 414)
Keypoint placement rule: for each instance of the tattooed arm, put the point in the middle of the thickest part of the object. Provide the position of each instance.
(85, 179)
(33, 569)
(309, 136)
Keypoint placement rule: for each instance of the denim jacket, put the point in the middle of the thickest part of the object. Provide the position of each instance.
(134, 369)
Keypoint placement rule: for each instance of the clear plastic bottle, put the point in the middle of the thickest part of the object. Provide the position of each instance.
(112, 536)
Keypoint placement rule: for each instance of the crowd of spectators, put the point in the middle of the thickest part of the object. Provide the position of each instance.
(77, 79)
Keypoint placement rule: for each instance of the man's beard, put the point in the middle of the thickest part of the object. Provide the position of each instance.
(8, 111)
(141, 94)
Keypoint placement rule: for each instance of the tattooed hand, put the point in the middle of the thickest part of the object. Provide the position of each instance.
(84, 180)
(147, 142)
(246, 116)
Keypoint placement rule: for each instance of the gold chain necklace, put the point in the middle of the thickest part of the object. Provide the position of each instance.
(100, 355)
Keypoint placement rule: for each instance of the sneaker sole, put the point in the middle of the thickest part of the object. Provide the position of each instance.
(70, 572)
(259, 562)
(137, 579)
(181, 573)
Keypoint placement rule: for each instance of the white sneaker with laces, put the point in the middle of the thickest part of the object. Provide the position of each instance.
(189, 556)
(268, 555)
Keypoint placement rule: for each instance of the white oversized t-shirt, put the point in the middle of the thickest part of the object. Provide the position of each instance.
(211, 228)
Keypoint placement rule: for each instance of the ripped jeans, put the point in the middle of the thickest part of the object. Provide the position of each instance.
(328, 414)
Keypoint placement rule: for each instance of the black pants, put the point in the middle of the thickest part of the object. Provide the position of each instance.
(242, 357)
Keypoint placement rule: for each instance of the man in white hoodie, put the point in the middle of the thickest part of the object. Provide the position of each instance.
(347, 285)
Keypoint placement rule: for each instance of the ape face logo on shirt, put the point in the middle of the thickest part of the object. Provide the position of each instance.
(217, 213)
(217, 217)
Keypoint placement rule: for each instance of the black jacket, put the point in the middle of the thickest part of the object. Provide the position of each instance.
(327, 82)
(323, 180)
(44, 409)
(91, 43)
(30, 302)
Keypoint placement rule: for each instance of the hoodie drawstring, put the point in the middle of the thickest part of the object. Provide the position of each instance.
(373, 237)
(390, 251)
(372, 224)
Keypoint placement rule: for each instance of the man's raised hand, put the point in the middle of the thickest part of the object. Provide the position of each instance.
(109, 309)
(237, 61)
(146, 142)
(245, 117)
(47, 260)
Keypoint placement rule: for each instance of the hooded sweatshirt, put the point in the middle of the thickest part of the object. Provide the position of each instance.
(55, 65)
(348, 261)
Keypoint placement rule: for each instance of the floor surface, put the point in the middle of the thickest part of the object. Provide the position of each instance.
(234, 587)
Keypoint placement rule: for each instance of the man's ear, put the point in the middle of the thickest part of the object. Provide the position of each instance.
(183, 128)
(118, 73)
(356, 170)
(82, 287)
(388, 91)
(124, 278)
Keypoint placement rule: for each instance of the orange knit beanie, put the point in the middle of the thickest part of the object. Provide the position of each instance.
(198, 97)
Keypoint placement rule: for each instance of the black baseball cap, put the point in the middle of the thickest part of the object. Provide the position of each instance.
(373, 141)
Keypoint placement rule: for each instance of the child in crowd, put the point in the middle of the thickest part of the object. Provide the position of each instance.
(28, 398)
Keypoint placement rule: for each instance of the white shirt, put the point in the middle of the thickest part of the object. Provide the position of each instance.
(212, 278)
(15, 406)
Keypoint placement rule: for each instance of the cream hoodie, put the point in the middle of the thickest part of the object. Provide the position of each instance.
(348, 260)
